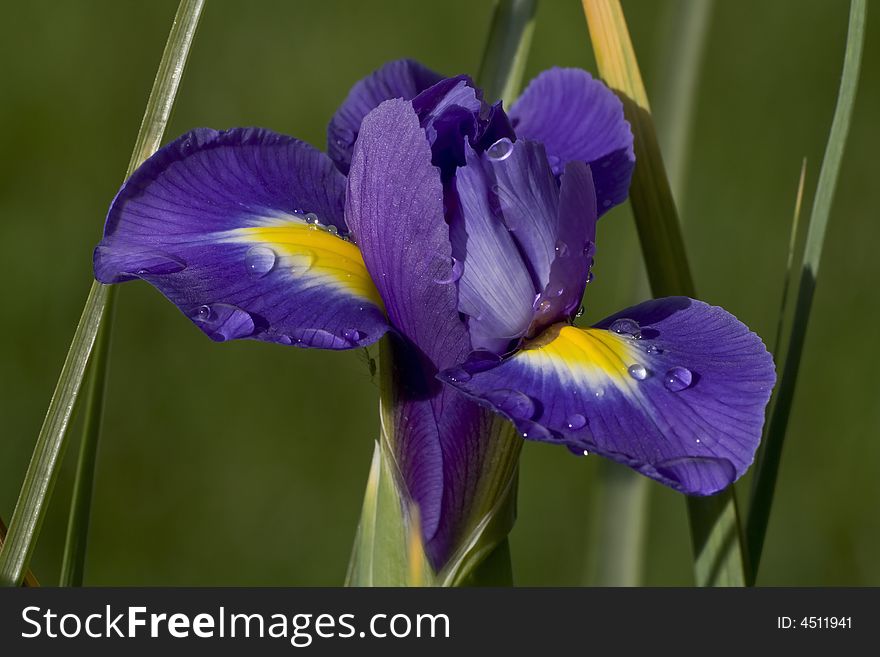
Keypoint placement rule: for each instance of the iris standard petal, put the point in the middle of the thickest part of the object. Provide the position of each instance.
(673, 388)
(579, 118)
(236, 229)
(574, 248)
(394, 207)
(495, 289)
(403, 78)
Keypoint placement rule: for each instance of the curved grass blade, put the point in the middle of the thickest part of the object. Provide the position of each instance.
(24, 527)
(715, 530)
(507, 49)
(774, 437)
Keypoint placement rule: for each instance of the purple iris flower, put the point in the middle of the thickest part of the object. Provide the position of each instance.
(467, 234)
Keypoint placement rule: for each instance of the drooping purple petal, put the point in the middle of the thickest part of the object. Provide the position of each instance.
(395, 208)
(403, 78)
(578, 118)
(237, 229)
(673, 388)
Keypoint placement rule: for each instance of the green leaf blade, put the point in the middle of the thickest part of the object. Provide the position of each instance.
(768, 465)
(27, 518)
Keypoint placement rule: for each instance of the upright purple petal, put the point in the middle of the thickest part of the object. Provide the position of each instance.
(495, 290)
(395, 208)
(525, 244)
(578, 118)
(237, 229)
(673, 388)
(402, 78)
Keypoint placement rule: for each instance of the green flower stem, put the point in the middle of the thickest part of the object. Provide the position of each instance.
(24, 527)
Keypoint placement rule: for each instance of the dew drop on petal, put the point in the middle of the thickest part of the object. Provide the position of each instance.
(353, 335)
(653, 349)
(553, 290)
(203, 314)
(534, 431)
(580, 312)
(500, 150)
(333, 230)
(627, 327)
(312, 219)
(600, 393)
(457, 375)
(590, 276)
(512, 402)
(638, 371)
(301, 262)
(561, 249)
(454, 274)
(259, 261)
(678, 378)
(543, 306)
(576, 421)
(589, 249)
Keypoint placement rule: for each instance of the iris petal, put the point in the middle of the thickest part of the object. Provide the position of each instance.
(673, 388)
(403, 78)
(495, 288)
(578, 118)
(236, 229)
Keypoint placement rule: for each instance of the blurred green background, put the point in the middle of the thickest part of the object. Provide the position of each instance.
(245, 463)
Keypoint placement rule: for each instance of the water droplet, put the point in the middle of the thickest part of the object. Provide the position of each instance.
(586, 453)
(333, 230)
(300, 262)
(534, 431)
(637, 371)
(561, 249)
(576, 421)
(203, 314)
(653, 349)
(553, 290)
(457, 375)
(627, 327)
(698, 440)
(312, 219)
(678, 378)
(580, 312)
(223, 321)
(543, 306)
(590, 276)
(259, 261)
(500, 150)
(454, 274)
(606, 203)
(600, 393)
(353, 335)
(589, 249)
(512, 402)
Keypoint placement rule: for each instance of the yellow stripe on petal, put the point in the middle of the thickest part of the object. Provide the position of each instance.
(592, 357)
(313, 251)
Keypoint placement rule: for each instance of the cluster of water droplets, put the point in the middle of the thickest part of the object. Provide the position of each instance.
(676, 379)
